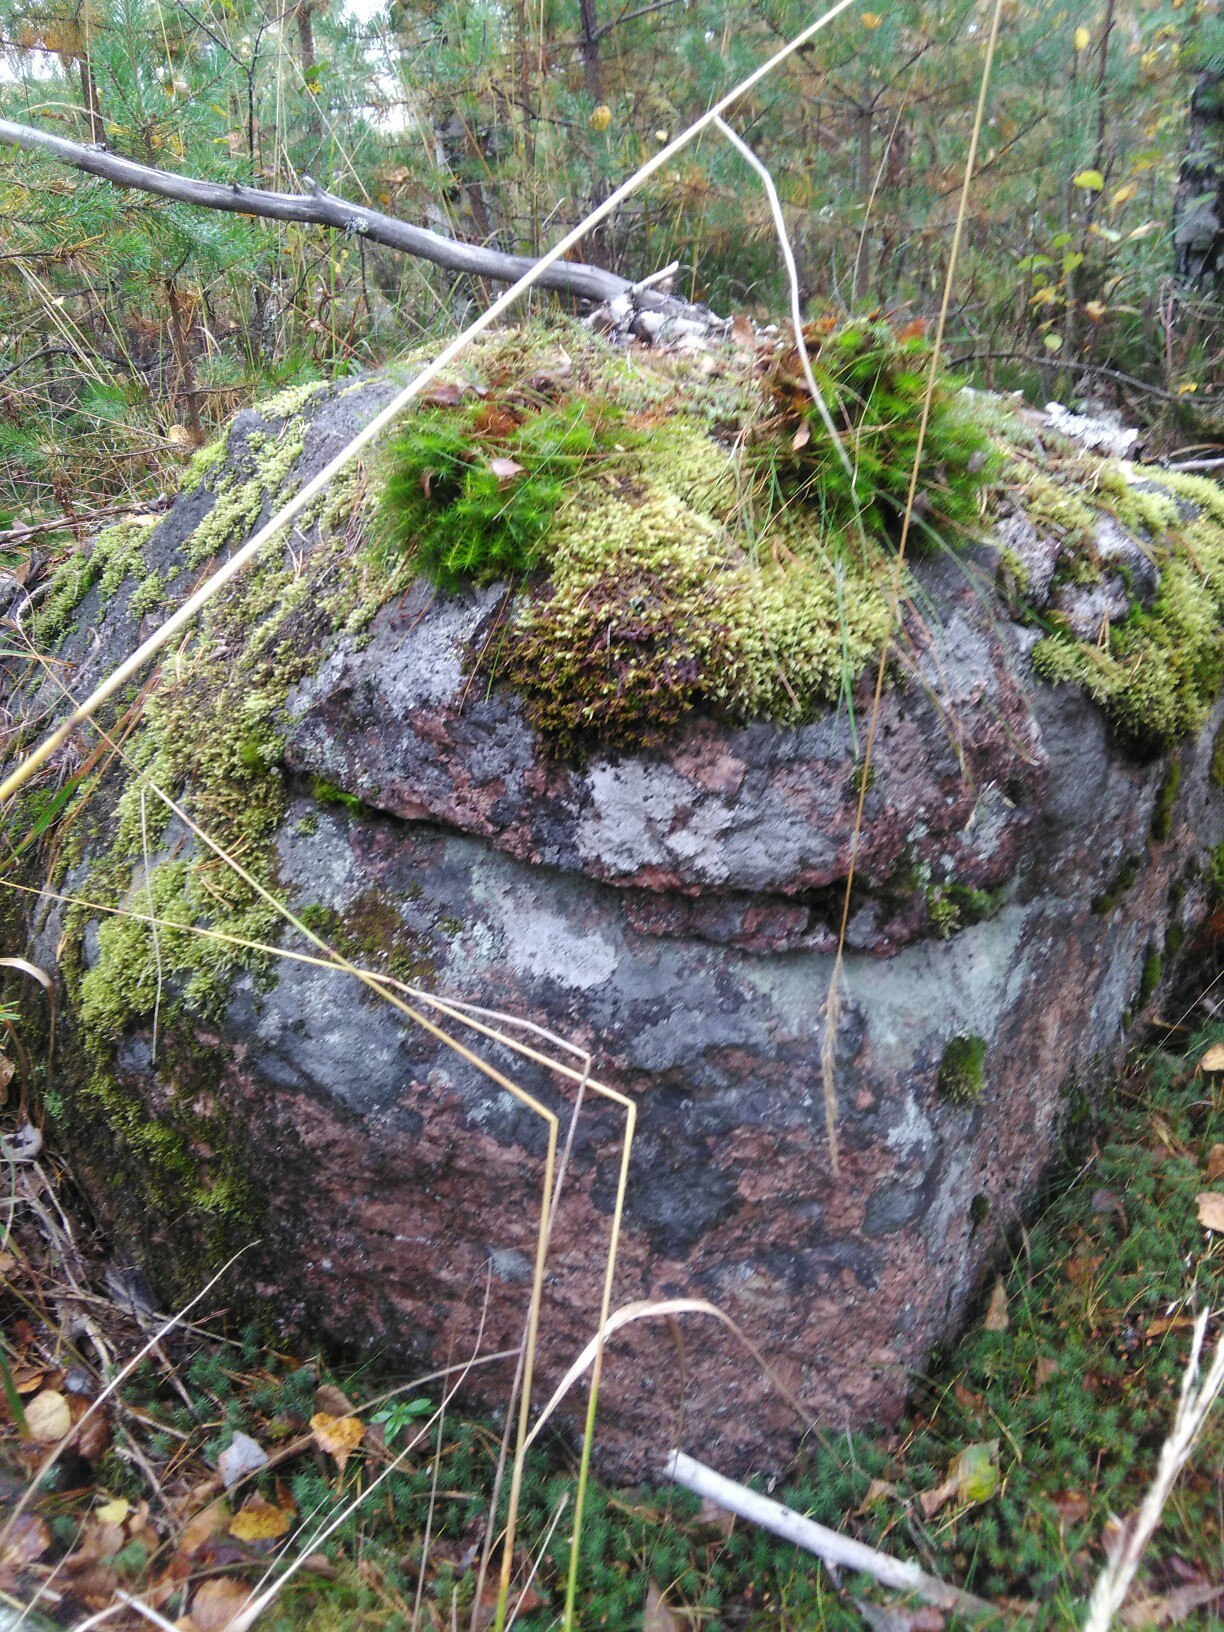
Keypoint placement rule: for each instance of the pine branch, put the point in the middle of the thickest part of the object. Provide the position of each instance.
(318, 208)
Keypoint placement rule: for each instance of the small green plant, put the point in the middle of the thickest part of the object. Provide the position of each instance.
(962, 1071)
(471, 498)
(401, 1414)
(874, 381)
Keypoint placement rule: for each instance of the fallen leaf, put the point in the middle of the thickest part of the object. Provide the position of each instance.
(338, 1436)
(1213, 1060)
(802, 436)
(600, 117)
(333, 1400)
(976, 1471)
(7, 1068)
(48, 1417)
(217, 1602)
(442, 394)
(1070, 1505)
(1045, 1369)
(1167, 1323)
(240, 1457)
(710, 1518)
(894, 1618)
(28, 1539)
(114, 1512)
(657, 1617)
(879, 1490)
(1092, 180)
(210, 1521)
(506, 470)
(1215, 1164)
(1082, 37)
(260, 1520)
(1169, 1608)
(1211, 1209)
(996, 1316)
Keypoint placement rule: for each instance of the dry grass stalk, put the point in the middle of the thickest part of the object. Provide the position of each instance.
(1198, 1395)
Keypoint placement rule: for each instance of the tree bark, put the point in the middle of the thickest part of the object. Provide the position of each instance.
(320, 208)
(1198, 210)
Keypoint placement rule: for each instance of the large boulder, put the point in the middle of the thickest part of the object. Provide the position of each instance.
(1036, 841)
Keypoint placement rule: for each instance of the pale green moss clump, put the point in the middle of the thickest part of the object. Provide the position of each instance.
(655, 605)
(117, 554)
(203, 462)
(1157, 672)
(239, 502)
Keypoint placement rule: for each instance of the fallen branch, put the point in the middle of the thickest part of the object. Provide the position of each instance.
(317, 207)
(814, 1538)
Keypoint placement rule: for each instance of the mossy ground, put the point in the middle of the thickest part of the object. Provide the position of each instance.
(1076, 1382)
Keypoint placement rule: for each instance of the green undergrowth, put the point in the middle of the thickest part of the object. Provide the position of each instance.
(1060, 1394)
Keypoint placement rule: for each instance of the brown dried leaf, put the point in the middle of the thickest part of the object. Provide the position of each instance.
(1211, 1209)
(657, 1617)
(7, 1068)
(801, 437)
(1170, 1608)
(199, 1530)
(996, 1316)
(1213, 1060)
(333, 1400)
(338, 1436)
(441, 394)
(48, 1417)
(260, 1520)
(28, 1539)
(1046, 1368)
(217, 1602)
(1215, 1164)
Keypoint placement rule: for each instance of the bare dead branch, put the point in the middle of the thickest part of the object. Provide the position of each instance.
(317, 207)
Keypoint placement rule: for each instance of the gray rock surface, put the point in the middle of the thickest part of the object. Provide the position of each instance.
(676, 916)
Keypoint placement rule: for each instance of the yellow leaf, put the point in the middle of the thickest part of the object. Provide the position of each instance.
(996, 1316)
(1053, 342)
(114, 1512)
(1211, 1209)
(1095, 309)
(1186, 387)
(1093, 180)
(338, 1436)
(871, 19)
(48, 1417)
(1123, 195)
(1213, 1060)
(1082, 37)
(601, 117)
(259, 1520)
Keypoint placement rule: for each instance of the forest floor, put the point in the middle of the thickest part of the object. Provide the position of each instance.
(1061, 1392)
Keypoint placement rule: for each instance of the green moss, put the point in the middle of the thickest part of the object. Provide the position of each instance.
(327, 793)
(1125, 877)
(874, 380)
(1153, 968)
(953, 907)
(962, 1071)
(148, 595)
(116, 554)
(239, 501)
(290, 402)
(1166, 799)
(203, 462)
(1217, 759)
(471, 497)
